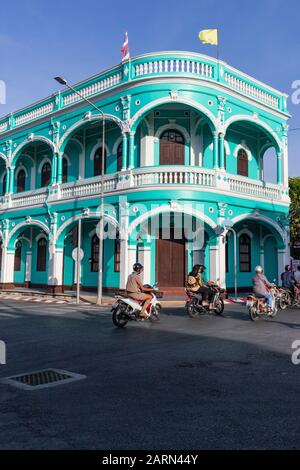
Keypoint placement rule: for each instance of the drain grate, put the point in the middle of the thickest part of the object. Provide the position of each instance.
(43, 378)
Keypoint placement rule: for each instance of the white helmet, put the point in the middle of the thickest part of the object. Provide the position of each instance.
(258, 269)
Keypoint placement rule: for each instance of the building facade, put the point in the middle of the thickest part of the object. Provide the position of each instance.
(186, 139)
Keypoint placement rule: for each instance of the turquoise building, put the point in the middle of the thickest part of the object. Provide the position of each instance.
(186, 142)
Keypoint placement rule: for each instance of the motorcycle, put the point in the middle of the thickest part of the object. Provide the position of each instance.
(194, 305)
(289, 298)
(126, 309)
(258, 308)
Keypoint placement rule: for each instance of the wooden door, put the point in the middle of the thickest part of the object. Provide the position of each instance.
(170, 262)
(171, 148)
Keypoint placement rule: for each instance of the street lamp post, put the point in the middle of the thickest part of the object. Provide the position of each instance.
(229, 227)
(62, 81)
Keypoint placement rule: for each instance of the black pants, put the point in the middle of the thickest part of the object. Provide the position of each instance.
(206, 292)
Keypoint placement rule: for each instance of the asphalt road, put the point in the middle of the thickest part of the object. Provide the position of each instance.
(208, 383)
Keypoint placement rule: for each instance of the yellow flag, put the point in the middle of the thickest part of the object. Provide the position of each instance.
(209, 36)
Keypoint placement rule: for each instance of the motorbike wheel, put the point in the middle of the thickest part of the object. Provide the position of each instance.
(282, 302)
(118, 317)
(191, 309)
(297, 300)
(253, 313)
(219, 307)
(155, 313)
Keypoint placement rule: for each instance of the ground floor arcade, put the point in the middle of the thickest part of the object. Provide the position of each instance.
(34, 255)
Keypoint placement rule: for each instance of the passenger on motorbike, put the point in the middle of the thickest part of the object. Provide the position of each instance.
(297, 281)
(288, 280)
(196, 284)
(136, 290)
(262, 286)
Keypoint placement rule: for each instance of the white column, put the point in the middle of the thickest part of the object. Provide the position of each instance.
(28, 266)
(144, 257)
(132, 252)
(214, 267)
(147, 145)
(222, 261)
(281, 253)
(55, 266)
(7, 267)
(127, 260)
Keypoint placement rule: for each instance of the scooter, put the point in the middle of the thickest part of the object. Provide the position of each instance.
(195, 307)
(258, 308)
(126, 309)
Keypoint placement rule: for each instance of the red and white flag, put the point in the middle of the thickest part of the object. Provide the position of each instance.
(125, 48)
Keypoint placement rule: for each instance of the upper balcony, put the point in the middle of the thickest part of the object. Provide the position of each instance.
(170, 64)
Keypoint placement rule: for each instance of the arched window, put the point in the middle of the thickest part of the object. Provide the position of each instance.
(95, 254)
(245, 253)
(41, 255)
(21, 178)
(171, 148)
(119, 156)
(4, 184)
(46, 174)
(64, 170)
(242, 163)
(18, 256)
(98, 162)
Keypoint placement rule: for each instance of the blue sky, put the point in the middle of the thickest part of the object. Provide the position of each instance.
(40, 39)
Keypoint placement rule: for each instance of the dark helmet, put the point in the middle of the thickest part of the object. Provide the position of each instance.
(287, 267)
(202, 268)
(137, 267)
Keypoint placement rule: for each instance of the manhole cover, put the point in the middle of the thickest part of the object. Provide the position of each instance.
(42, 379)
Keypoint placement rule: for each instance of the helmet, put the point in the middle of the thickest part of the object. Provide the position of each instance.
(258, 269)
(202, 268)
(137, 267)
(287, 267)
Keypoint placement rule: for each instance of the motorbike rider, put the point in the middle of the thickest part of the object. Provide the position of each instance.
(262, 286)
(297, 281)
(136, 290)
(287, 278)
(195, 283)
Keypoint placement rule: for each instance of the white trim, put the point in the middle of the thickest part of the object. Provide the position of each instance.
(227, 147)
(245, 147)
(116, 145)
(96, 147)
(3, 157)
(84, 121)
(171, 126)
(254, 120)
(91, 215)
(44, 160)
(258, 218)
(92, 232)
(66, 156)
(26, 224)
(41, 235)
(166, 209)
(245, 231)
(269, 235)
(23, 237)
(21, 167)
(28, 142)
(180, 100)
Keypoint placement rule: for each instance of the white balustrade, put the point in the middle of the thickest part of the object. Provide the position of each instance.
(3, 126)
(29, 198)
(239, 184)
(92, 89)
(34, 114)
(178, 176)
(173, 66)
(251, 90)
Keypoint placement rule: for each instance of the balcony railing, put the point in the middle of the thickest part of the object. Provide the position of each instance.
(150, 178)
(150, 65)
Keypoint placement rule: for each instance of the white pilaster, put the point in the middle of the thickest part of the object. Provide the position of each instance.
(7, 267)
(144, 257)
(222, 261)
(214, 268)
(55, 266)
(147, 144)
(28, 266)
(281, 254)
